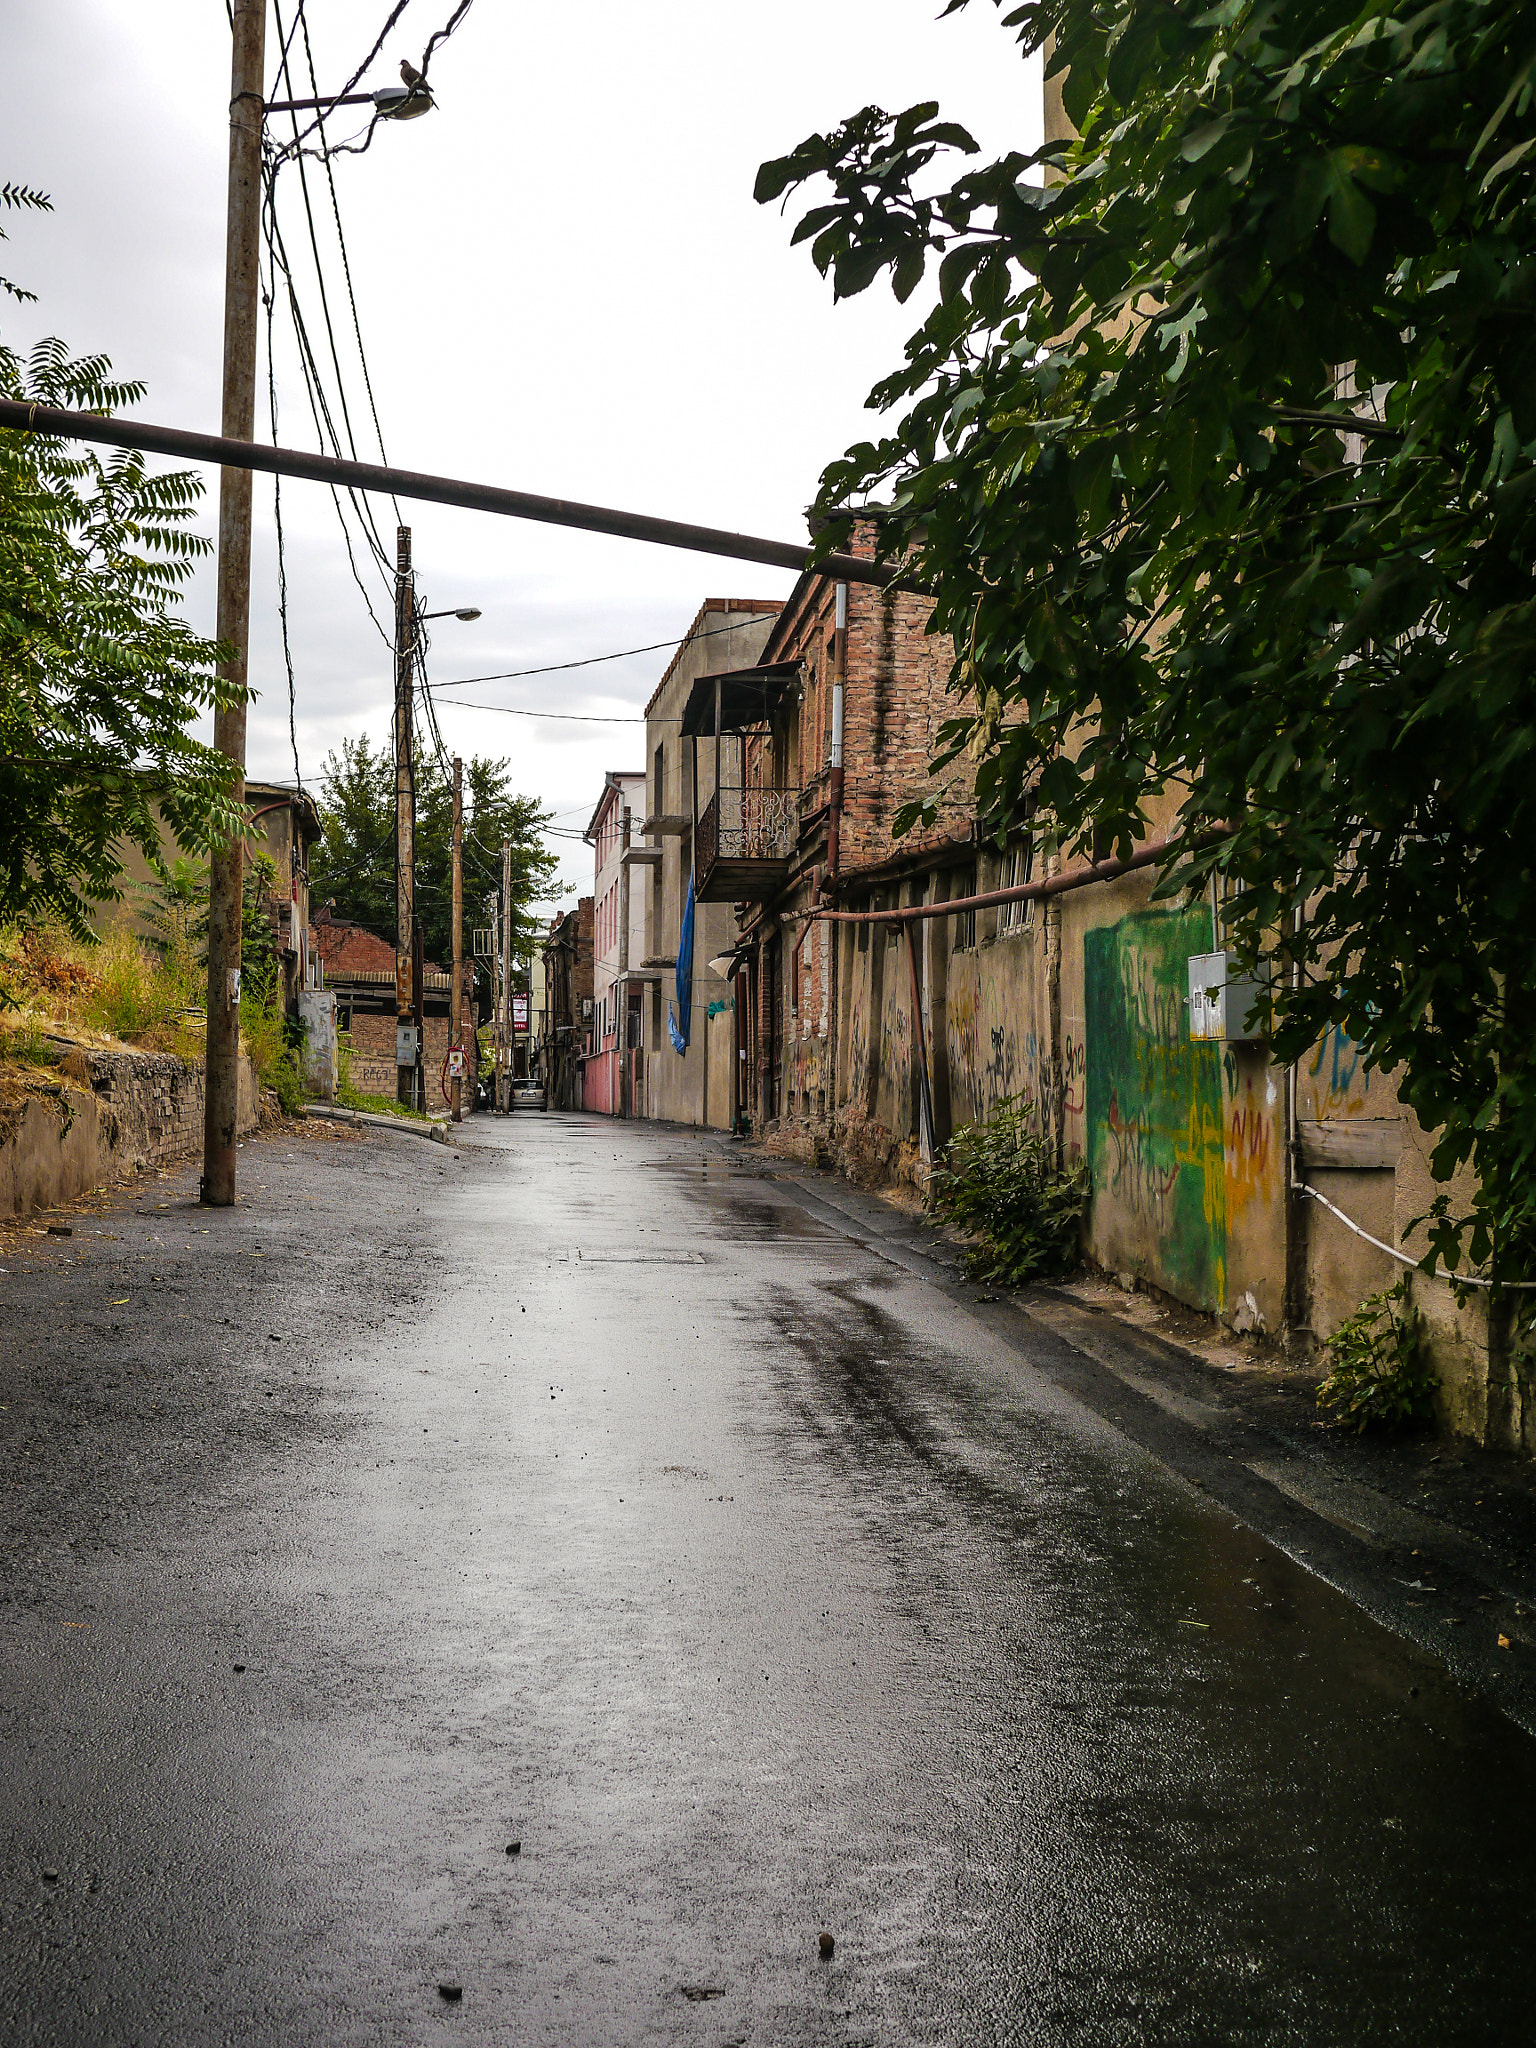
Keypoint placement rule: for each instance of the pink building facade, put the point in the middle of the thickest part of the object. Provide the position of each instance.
(610, 1070)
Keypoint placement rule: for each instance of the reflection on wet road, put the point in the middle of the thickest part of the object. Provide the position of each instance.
(755, 1590)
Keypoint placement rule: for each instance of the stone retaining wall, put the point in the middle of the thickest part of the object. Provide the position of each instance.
(106, 1115)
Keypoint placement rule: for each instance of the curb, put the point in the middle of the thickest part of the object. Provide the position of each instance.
(438, 1133)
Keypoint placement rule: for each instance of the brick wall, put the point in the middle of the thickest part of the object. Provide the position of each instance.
(372, 1061)
(153, 1101)
(895, 699)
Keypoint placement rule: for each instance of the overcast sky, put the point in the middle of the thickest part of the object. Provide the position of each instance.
(564, 286)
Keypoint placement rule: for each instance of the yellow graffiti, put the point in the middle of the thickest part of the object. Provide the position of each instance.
(1249, 1154)
(1203, 1148)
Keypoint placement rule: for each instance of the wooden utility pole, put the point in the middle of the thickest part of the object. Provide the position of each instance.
(221, 1093)
(456, 1011)
(405, 816)
(506, 956)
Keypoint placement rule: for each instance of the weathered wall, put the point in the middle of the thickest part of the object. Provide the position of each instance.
(106, 1114)
(371, 1059)
(694, 1088)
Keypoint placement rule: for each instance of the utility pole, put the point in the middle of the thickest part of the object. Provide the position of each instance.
(506, 954)
(406, 1055)
(221, 1092)
(456, 1001)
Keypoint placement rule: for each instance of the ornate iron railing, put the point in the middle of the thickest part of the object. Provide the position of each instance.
(748, 824)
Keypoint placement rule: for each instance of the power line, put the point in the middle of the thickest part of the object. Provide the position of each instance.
(314, 390)
(591, 660)
(346, 266)
(571, 717)
(394, 16)
(325, 303)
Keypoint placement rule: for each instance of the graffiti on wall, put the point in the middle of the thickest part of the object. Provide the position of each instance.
(989, 1056)
(1153, 1099)
(893, 1098)
(962, 1015)
(1250, 1151)
(1074, 1075)
(858, 1033)
(1336, 1080)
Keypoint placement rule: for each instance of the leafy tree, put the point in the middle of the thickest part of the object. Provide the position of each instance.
(101, 680)
(1218, 451)
(355, 862)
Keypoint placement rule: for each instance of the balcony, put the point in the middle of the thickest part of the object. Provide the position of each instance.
(746, 840)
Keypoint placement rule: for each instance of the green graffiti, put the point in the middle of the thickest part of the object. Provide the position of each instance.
(1154, 1109)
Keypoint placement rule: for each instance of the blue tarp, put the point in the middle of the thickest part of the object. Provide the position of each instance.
(678, 1026)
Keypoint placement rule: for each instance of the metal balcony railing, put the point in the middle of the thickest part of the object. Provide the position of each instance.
(748, 824)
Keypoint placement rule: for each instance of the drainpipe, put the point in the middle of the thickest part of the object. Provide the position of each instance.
(835, 792)
(738, 1045)
(764, 1033)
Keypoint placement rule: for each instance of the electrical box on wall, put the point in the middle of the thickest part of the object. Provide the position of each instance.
(1224, 1003)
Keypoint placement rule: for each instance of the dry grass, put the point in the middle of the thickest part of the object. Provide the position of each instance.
(120, 988)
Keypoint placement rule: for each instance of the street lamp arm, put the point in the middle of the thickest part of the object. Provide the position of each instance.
(347, 99)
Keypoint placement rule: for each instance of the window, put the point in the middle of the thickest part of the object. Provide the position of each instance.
(1018, 868)
(963, 883)
(658, 804)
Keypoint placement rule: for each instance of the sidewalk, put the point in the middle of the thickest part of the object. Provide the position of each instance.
(1433, 1537)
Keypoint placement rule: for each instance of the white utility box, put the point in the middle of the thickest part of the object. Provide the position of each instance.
(317, 1013)
(405, 1045)
(1225, 1003)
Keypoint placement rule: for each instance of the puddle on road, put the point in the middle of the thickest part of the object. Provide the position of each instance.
(1203, 1795)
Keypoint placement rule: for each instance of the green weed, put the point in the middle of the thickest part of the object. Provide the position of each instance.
(998, 1179)
(1379, 1376)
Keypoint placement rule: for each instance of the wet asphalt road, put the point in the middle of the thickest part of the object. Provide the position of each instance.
(587, 1491)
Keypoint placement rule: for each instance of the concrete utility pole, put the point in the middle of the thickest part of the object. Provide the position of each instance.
(405, 818)
(506, 955)
(221, 1096)
(456, 1011)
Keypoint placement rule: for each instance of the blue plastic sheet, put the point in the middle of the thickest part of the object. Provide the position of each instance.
(677, 1026)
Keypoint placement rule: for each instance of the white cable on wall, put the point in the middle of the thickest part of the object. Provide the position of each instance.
(1451, 1279)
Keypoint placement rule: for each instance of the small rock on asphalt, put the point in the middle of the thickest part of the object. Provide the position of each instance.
(826, 1944)
(514, 1848)
(450, 1987)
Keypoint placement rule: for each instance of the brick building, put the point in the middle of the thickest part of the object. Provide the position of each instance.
(609, 1070)
(699, 1085)
(769, 832)
(359, 971)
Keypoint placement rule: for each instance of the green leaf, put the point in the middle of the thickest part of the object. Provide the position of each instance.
(1351, 216)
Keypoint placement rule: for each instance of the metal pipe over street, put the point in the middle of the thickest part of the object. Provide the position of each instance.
(245, 454)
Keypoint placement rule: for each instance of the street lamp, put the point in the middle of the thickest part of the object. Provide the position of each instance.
(390, 102)
(466, 612)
